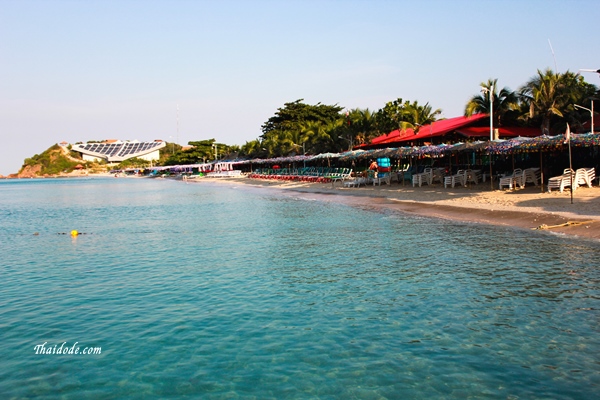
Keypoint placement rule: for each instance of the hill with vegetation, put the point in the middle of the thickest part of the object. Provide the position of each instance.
(55, 161)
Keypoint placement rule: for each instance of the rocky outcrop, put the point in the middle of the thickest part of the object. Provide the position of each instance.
(30, 171)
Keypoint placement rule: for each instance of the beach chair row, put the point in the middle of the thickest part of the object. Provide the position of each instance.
(581, 177)
(308, 174)
(462, 177)
(369, 177)
(520, 177)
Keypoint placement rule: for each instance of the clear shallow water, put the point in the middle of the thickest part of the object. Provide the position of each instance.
(230, 292)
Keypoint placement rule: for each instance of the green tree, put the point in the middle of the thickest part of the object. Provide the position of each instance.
(360, 125)
(402, 115)
(549, 95)
(201, 151)
(505, 103)
(134, 162)
(414, 115)
(297, 124)
(252, 149)
(168, 151)
(322, 137)
(387, 119)
(52, 161)
(294, 114)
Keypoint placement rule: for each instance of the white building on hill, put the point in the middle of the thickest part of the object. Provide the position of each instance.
(116, 151)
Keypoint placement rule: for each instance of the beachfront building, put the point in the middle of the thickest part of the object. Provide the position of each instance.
(116, 151)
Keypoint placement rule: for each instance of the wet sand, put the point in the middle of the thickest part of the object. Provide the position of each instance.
(527, 208)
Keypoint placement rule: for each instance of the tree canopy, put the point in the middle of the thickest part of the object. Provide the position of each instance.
(299, 128)
(292, 115)
(505, 103)
(199, 152)
(550, 97)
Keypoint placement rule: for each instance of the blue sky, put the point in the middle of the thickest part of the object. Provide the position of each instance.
(92, 70)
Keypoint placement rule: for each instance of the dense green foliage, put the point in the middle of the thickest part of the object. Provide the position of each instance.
(167, 152)
(550, 97)
(311, 129)
(200, 151)
(52, 161)
(547, 100)
(299, 128)
(134, 162)
(402, 115)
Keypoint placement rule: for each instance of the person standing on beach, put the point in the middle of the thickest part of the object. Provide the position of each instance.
(373, 167)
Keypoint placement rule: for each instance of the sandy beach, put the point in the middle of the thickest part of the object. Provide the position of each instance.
(527, 208)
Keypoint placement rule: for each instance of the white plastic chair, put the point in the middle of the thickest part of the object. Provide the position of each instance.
(512, 180)
(531, 175)
(459, 178)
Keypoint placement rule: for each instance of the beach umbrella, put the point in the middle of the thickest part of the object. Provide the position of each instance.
(350, 155)
(468, 146)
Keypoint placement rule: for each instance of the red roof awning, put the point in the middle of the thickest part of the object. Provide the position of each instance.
(484, 132)
(437, 128)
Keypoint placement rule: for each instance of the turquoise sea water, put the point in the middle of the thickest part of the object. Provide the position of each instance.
(218, 292)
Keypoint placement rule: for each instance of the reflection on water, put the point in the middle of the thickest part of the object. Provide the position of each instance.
(217, 292)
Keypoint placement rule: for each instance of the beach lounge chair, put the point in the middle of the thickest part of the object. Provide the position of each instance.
(562, 181)
(531, 175)
(437, 174)
(406, 174)
(383, 177)
(341, 174)
(584, 176)
(459, 178)
(516, 178)
(356, 182)
(473, 175)
(424, 177)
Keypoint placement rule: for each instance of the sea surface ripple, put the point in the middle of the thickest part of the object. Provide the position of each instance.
(217, 291)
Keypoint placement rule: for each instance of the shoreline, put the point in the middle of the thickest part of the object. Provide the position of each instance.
(527, 208)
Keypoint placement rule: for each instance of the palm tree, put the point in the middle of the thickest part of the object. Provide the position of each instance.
(252, 148)
(402, 115)
(291, 141)
(361, 125)
(504, 102)
(321, 137)
(548, 95)
(413, 115)
(313, 132)
(334, 129)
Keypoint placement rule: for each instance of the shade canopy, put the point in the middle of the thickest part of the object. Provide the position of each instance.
(505, 132)
(435, 129)
(463, 126)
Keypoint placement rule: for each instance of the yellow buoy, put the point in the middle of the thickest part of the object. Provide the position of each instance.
(74, 233)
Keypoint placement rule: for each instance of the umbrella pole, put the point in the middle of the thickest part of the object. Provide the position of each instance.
(541, 172)
(571, 171)
(468, 168)
(491, 176)
(402, 170)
